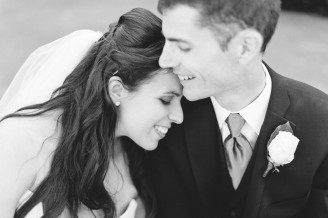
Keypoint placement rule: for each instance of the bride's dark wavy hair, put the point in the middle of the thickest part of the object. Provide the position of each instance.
(132, 46)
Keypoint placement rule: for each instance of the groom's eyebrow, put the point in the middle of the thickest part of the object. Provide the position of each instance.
(171, 39)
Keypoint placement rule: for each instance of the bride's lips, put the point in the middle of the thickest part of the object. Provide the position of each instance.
(161, 130)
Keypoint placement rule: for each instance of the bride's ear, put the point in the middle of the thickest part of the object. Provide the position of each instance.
(116, 89)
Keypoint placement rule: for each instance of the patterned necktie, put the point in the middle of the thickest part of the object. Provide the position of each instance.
(238, 150)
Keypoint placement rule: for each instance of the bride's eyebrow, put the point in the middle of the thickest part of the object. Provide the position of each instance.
(173, 93)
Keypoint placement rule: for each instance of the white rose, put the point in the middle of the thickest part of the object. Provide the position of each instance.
(282, 148)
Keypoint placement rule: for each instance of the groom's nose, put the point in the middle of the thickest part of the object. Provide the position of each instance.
(169, 56)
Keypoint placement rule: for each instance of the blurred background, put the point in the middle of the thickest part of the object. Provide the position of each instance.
(299, 48)
(316, 6)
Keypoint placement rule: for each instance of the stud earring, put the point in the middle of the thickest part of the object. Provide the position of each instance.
(117, 103)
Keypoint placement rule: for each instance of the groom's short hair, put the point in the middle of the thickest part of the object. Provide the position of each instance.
(226, 17)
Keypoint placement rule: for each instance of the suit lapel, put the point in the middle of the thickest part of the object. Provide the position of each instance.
(201, 131)
(277, 108)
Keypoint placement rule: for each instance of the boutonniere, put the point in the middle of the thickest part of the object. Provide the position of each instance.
(281, 148)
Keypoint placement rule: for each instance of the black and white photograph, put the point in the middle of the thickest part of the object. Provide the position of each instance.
(164, 109)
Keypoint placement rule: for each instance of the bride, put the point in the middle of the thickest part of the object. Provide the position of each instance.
(76, 155)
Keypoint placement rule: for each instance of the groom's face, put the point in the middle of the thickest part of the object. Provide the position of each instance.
(195, 55)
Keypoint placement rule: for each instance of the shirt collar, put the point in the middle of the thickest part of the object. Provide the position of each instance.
(254, 113)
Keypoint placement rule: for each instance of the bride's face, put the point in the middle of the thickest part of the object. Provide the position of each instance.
(146, 114)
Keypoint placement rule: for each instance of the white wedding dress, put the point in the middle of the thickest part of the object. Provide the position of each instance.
(37, 211)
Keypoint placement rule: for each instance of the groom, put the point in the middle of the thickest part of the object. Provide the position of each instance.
(241, 118)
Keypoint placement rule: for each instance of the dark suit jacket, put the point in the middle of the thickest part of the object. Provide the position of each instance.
(186, 170)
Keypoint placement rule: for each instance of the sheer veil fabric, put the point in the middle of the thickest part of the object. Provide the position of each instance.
(46, 69)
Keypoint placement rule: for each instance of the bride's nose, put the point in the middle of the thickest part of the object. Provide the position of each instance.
(176, 114)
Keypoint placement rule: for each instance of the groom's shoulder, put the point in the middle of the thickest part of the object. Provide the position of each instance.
(300, 88)
(302, 95)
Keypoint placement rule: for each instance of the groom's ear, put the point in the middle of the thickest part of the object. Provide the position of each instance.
(116, 89)
(247, 45)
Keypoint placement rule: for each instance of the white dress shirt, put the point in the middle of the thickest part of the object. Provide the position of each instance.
(253, 114)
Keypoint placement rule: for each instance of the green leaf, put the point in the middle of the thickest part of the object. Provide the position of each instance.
(284, 127)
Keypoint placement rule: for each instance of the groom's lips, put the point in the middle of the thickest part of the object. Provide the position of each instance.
(185, 77)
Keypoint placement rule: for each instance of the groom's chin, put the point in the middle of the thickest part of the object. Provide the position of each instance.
(191, 96)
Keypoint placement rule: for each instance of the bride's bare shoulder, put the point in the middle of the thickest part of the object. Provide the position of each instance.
(25, 145)
(30, 134)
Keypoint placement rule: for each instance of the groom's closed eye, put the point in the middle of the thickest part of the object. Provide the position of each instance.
(181, 44)
(184, 49)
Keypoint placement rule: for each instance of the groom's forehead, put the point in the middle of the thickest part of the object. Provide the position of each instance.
(180, 18)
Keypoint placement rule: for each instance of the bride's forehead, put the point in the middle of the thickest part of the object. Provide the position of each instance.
(162, 81)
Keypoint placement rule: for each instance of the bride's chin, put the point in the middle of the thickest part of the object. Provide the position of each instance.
(150, 146)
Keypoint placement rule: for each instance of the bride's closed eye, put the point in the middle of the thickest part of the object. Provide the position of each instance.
(166, 100)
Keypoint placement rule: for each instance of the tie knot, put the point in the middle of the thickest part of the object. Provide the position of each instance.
(235, 123)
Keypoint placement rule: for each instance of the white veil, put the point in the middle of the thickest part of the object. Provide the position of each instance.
(45, 70)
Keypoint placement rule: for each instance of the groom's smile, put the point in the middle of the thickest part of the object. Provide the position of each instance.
(183, 78)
